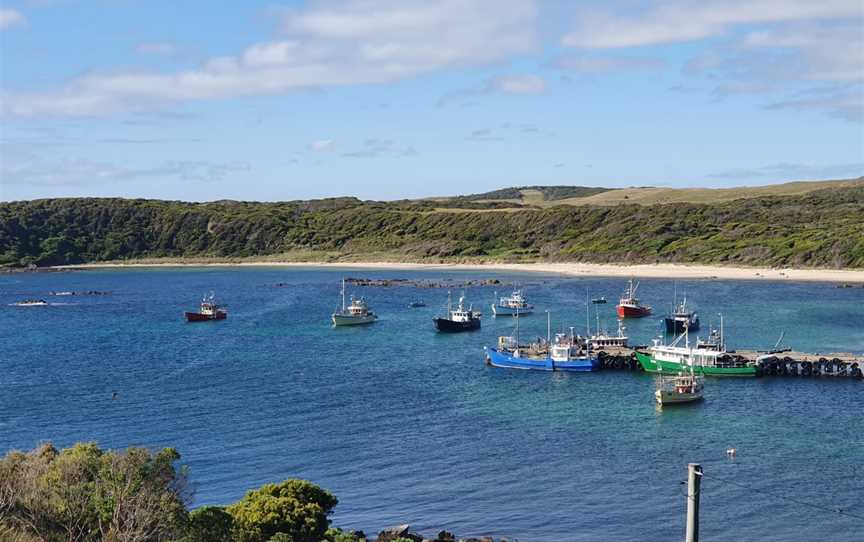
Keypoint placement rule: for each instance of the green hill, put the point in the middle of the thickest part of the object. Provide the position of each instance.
(820, 228)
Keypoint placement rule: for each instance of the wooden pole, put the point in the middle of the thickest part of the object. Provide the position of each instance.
(694, 480)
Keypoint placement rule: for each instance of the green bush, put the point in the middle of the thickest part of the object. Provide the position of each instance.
(296, 508)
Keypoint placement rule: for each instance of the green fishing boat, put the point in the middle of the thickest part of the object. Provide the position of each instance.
(708, 357)
(714, 367)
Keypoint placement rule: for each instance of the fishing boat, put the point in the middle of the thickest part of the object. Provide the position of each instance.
(680, 317)
(31, 303)
(565, 353)
(510, 305)
(599, 300)
(709, 359)
(458, 319)
(603, 339)
(415, 304)
(353, 314)
(686, 387)
(209, 310)
(629, 306)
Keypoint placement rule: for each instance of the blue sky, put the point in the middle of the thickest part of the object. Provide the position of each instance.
(385, 99)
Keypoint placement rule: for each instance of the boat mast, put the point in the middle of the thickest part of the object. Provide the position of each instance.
(548, 328)
(722, 337)
(343, 295)
(516, 315)
(587, 315)
(449, 303)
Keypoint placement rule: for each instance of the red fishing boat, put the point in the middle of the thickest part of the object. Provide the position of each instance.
(209, 310)
(629, 306)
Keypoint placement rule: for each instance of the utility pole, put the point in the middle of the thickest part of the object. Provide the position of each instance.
(694, 481)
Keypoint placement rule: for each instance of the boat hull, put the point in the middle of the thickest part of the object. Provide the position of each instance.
(449, 326)
(665, 397)
(629, 311)
(500, 310)
(651, 365)
(198, 317)
(496, 358)
(676, 327)
(347, 320)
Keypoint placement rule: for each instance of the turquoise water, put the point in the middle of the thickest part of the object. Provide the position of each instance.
(405, 425)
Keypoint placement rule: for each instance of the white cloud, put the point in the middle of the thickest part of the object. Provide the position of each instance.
(322, 145)
(373, 148)
(688, 20)
(9, 18)
(606, 64)
(847, 105)
(22, 165)
(156, 48)
(794, 171)
(518, 84)
(502, 84)
(350, 42)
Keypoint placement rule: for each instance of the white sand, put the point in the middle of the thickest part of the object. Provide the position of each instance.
(570, 269)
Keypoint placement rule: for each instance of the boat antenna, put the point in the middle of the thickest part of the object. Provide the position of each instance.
(780, 340)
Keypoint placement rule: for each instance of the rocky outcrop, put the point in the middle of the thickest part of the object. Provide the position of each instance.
(403, 532)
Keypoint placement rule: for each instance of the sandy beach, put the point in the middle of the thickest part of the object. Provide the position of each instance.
(567, 269)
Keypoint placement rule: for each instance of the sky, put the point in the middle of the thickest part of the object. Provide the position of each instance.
(385, 99)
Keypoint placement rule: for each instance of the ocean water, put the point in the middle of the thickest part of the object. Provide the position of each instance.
(408, 426)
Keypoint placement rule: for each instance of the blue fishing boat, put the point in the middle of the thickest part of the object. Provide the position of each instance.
(565, 353)
(560, 357)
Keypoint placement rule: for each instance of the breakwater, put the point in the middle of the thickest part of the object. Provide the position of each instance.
(780, 364)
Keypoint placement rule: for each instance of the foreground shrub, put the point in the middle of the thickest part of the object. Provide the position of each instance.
(297, 509)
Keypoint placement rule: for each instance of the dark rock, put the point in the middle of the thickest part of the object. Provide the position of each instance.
(444, 536)
(392, 533)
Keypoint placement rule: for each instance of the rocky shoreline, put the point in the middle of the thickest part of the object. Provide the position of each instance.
(425, 283)
(402, 533)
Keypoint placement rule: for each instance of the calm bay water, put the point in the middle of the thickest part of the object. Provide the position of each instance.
(405, 425)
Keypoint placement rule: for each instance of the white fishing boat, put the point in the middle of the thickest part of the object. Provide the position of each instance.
(355, 313)
(510, 305)
(682, 388)
(31, 303)
(603, 339)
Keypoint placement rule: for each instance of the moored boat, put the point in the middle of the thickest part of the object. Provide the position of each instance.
(415, 304)
(680, 319)
(629, 305)
(705, 359)
(565, 353)
(458, 319)
(353, 314)
(603, 339)
(512, 304)
(31, 303)
(682, 388)
(209, 310)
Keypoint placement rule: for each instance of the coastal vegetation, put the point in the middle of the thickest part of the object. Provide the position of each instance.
(86, 494)
(821, 227)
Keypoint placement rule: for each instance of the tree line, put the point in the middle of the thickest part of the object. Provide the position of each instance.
(823, 228)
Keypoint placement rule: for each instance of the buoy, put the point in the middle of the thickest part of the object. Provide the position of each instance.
(730, 452)
(115, 395)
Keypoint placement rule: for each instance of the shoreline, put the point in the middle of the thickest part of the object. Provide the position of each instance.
(663, 270)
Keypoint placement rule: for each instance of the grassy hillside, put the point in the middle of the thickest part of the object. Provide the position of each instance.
(822, 228)
(546, 196)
